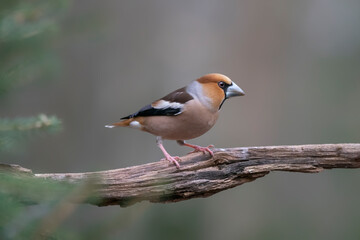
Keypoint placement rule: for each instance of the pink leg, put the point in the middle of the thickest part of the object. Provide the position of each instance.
(197, 148)
(171, 159)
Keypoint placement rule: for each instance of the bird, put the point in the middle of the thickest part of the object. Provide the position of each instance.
(185, 113)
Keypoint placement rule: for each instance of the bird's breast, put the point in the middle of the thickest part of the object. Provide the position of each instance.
(194, 121)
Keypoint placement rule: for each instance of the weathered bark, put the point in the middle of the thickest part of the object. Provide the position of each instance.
(201, 176)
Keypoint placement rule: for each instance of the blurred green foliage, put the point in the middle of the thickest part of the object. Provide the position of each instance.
(14, 132)
(18, 192)
(28, 31)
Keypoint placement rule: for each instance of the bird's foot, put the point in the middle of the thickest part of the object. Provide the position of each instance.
(173, 159)
(202, 149)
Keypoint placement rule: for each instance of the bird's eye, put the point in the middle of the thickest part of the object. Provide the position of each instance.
(221, 84)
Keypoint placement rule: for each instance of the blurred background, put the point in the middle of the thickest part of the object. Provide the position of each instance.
(88, 63)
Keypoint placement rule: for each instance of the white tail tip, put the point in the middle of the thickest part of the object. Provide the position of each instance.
(109, 126)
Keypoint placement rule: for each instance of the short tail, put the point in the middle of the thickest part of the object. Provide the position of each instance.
(124, 123)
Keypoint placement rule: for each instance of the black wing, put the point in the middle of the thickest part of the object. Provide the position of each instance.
(170, 105)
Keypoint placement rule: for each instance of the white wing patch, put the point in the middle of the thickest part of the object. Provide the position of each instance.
(163, 104)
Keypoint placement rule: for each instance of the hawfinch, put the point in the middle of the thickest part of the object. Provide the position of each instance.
(186, 113)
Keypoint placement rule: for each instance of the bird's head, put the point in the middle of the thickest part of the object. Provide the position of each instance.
(216, 88)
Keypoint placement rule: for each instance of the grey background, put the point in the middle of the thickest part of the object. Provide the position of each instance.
(297, 61)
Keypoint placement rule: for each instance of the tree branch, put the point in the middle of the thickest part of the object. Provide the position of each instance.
(200, 175)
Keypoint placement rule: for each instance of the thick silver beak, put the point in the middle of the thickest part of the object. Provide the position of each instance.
(234, 90)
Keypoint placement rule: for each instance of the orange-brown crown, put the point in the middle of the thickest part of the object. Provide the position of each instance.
(214, 78)
(212, 90)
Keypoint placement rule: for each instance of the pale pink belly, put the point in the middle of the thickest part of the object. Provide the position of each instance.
(181, 127)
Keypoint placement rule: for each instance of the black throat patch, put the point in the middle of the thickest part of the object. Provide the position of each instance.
(225, 90)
